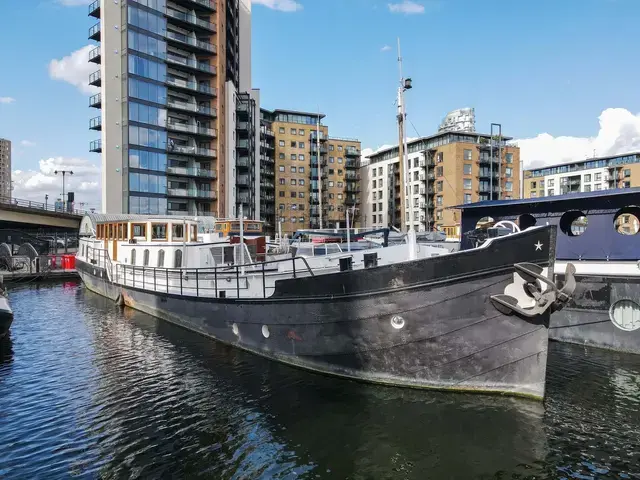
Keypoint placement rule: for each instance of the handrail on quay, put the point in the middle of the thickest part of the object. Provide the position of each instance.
(38, 206)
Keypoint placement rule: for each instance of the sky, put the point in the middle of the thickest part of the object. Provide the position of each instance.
(560, 76)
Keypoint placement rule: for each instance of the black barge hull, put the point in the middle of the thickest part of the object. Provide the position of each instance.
(588, 320)
(428, 323)
(6, 316)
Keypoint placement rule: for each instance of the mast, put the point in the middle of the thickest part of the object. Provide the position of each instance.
(405, 84)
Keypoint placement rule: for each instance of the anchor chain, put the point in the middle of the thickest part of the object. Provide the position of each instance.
(541, 299)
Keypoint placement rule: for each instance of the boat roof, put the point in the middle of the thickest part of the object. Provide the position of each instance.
(569, 197)
(91, 220)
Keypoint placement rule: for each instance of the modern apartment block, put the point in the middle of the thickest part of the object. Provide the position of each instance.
(309, 180)
(602, 173)
(170, 74)
(5, 167)
(446, 169)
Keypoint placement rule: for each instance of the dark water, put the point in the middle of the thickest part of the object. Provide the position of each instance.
(88, 390)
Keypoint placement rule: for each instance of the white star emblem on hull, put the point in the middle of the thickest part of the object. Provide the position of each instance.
(538, 245)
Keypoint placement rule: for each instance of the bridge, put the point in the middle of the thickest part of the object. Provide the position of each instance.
(36, 216)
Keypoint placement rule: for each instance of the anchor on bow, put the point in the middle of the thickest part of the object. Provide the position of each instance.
(532, 293)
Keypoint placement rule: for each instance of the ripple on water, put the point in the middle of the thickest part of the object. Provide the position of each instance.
(90, 390)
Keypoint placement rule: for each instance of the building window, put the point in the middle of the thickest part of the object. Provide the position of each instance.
(294, 131)
(587, 188)
(281, 193)
(439, 171)
(534, 194)
(533, 185)
(293, 181)
(293, 144)
(301, 182)
(373, 182)
(467, 184)
(339, 159)
(281, 168)
(281, 206)
(439, 200)
(467, 168)
(293, 195)
(281, 156)
(300, 144)
(598, 177)
(161, 258)
(282, 181)
(331, 184)
(331, 148)
(177, 259)
(439, 186)
(587, 177)
(300, 194)
(627, 172)
(293, 169)
(597, 186)
(281, 143)
(281, 130)
(550, 183)
(509, 157)
(550, 192)
(440, 157)
(508, 172)
(294, 156)
(508, 186)
(467, 154)
(300, 132)
(331, 160)
(301, 157)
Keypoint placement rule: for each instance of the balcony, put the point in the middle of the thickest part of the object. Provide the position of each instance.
(351, 164)
(94, 9)
(352, 152)
(191, 86)
(192, 172)
(243, 198)
(242, 162)
(95, 55)
(190, 150)
(314, 135)
(191, 44)
(192, 107)
(243, 144)
(191, 63)
(323, 149)
(267, 197)
(95, 146)
(200, 5)
(95, 79)
(192, 193)
(243, 180)
(94, 32)
(270, 172)
(95, 123)
(243, 126)
(191, 20)
(96, 101)
(193, 129)
(352, 177)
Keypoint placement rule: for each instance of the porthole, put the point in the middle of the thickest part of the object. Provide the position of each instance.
(625, 314)
(235, 330)
(485, 222)
(627, 220)
(397, 322)
(265, 331)
(526, 220)
(573, 223)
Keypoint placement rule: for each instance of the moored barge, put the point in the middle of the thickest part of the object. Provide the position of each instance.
(469, 321)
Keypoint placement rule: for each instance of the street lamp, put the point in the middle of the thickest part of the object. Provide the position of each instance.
(46, 201)
(63, 172)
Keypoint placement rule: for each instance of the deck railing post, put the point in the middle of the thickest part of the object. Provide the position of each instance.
(294, 266)
(143, 275)
(197, 285)
(215, 280)
(154, 280)
(264, 283)
(180, 282)
(237, 282)
(167, 276)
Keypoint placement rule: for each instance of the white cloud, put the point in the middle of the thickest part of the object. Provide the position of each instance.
(281, 5)
(619, 133)
(27, 143)
(7, 99)
(74, 3)
(408, 7)
(35, 184)
(75, 69)
(386, 48)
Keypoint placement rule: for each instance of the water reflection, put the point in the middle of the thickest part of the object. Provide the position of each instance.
(98, 391)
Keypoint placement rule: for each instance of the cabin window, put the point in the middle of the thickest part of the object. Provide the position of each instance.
(161, 258)
(133, 256)
(159, 231)
(177, 231)
(194, 233)
(145, 257)
(120, 231)
(177, 259)
(139, 230)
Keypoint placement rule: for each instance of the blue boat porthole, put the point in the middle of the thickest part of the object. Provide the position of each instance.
(235, 330)
(397, 322)
(625, 314)
(265, 331)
